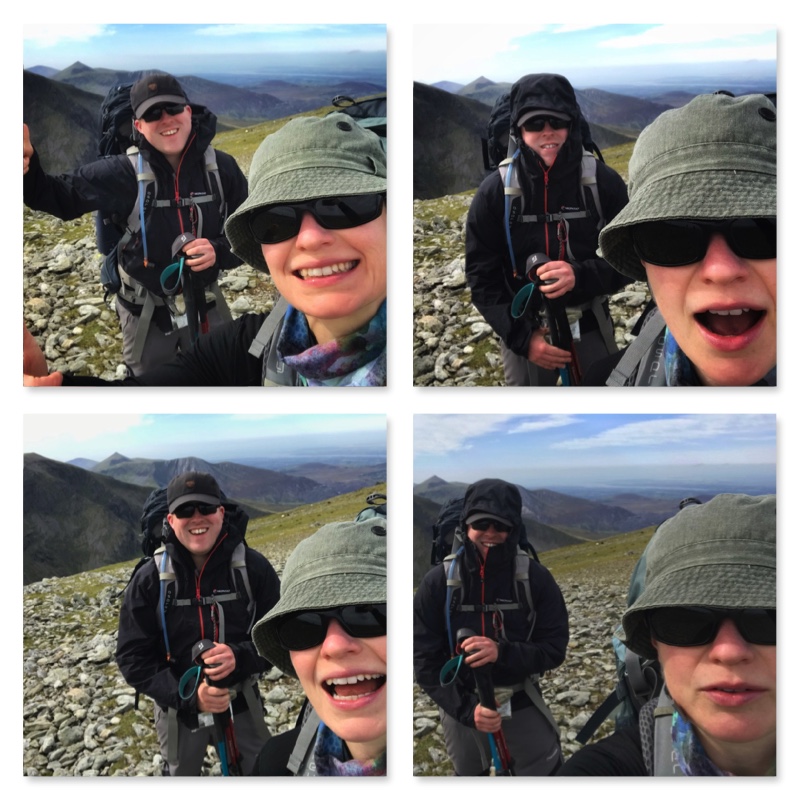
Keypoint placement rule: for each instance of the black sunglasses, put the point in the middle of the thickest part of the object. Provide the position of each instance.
(309, 628)
(278, 223)
(483, 525)
(186, 511)
(690, 626)
(155, 113)
(678, 242)
(536, 124)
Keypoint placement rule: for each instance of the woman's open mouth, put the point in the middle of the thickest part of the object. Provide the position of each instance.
(354, 687)
(327, 270)
(730, 322)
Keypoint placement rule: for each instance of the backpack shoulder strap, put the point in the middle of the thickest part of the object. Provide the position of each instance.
(643, 356)
(664, 763)
(168, 592)
(268, 328)
(589, 183)
(522, 583)
(300, 761)
(212, 169)
(239, 567)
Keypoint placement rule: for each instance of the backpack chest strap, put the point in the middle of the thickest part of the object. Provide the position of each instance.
(554, 217)
(486, 607)
(207, 601)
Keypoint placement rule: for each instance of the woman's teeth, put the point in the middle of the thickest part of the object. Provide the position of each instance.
(331, 269)
(348, 688)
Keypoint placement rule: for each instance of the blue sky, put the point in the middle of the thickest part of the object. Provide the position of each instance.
(191, 48)
(212, 437)
(593, 449)
(462, 53)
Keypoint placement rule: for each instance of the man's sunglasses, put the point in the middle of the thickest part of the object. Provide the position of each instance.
(308, 629)
(278, 223)
(186, 511)
(536, 124)
(155, 113)
(484, 524)
(691, 626)
(678, 242)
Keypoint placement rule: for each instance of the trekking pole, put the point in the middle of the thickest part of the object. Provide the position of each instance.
(194, 295)
(501, 757)
(557, 322)
(224, 735)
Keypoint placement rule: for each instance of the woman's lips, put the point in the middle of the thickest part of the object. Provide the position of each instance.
(733, 695)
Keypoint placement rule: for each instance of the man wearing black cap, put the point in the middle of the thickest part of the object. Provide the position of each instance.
(205, 585)
(519, 626)
(195, 187)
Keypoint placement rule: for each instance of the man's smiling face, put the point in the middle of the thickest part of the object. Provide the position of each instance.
(169, 134)
(199, 532)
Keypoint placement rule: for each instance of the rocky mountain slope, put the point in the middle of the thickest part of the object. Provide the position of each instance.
(78, 715)
(64, 305)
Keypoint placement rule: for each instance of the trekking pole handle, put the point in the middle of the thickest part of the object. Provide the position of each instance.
(198, 649)
(483, 675)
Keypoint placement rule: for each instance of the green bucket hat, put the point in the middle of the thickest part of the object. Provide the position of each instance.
(714, 158)
(720, 553)
(342, 564)
(308, 157)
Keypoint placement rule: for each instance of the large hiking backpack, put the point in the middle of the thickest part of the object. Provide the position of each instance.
(376, 507)
(639, 679)
(444, 529)
(369, 113)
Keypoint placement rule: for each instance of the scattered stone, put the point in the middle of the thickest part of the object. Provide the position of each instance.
(63, 303)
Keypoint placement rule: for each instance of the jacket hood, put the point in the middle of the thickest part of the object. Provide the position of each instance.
(543, 91)
(497, 498)
(553, 92)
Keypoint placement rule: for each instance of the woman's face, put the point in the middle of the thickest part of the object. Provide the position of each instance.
(344, 679)
(342, 300)
(727, 689)
(722, 312)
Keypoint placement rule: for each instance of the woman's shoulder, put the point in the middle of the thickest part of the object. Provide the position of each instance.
(274, 755)
(617, 755)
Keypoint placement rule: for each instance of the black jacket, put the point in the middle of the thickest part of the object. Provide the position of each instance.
(218, 358)
(141, 651)
(488, 265)
(489, 582)
(110, 185)
(617, 755)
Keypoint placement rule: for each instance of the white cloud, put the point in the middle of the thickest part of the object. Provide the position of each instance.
(542, 423)
(443, 433)
(675, 431)
(45, 429)
(50, 35)
(686, 34)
